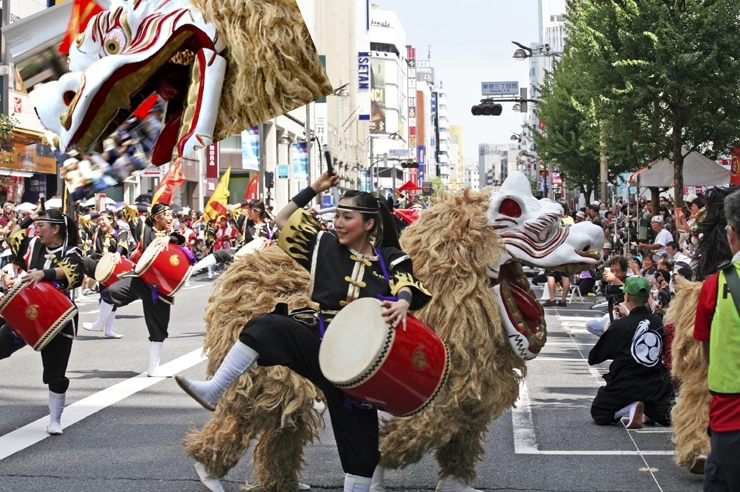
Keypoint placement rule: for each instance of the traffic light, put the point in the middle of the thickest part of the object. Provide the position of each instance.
(486, 108)
(269, 180)
(408, 164)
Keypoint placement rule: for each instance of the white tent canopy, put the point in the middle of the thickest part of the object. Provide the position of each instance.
(698, 170)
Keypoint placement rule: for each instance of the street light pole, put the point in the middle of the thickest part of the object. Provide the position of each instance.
(385, 165)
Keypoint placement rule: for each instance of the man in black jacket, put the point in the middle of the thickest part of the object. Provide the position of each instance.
(637, 382)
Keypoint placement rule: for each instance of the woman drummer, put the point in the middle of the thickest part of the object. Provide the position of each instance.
(363, 259)
(260, 223)
(52, 256)
(157, 227)
(106, 238)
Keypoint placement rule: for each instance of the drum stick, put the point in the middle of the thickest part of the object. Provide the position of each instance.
(326, 210)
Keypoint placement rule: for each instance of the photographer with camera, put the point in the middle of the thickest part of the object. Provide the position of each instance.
(614, 278)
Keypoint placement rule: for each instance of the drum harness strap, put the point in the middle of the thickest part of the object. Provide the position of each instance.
(51, 262)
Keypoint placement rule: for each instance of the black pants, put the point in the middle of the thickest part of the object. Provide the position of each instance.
(586, 285)
(54, 356)
(156, 313)
(224, 255)
(722, 469)
(607, 403)
(280, 340)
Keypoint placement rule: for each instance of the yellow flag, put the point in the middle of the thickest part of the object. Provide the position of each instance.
(216, 206)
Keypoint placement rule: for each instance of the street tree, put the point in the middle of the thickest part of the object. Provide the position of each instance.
(665, 74)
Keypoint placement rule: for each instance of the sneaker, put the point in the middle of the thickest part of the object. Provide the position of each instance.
(636, 415)
(549, 303)
(697, 467)
(562, 303)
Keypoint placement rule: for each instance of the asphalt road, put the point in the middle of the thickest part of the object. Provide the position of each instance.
(123, 430)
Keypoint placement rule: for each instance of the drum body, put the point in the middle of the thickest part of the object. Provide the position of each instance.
(166, 268)
(107, 272)
(36, 314)
(256, 244)
(401, 372)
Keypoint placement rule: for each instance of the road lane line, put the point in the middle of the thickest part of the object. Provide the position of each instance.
(35, 432)
(525, 441)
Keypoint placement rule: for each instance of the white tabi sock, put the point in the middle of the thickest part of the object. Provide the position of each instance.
(208, 261)
(211, 483)
(454, 484)
(155, 353)
(238, 361)
(625, 411)
(56, 407)
(376, 485)
(109, 333)
(353, 483)
(99, 324)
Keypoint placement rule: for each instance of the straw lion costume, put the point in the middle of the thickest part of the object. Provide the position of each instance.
(690, 415)
(460, 247)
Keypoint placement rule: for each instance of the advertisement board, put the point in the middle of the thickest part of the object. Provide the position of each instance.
(251, 149)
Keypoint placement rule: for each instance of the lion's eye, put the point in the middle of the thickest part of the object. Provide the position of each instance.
(115, 41)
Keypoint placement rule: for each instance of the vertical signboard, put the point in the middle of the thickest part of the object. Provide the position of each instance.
(212, 161)
(411, 56)
(363, 85)
(377, 96)
(251, 149)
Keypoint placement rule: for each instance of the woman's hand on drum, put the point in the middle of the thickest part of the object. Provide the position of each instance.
(395, 313)
(32, 277)
(116, 258)
(325, 182)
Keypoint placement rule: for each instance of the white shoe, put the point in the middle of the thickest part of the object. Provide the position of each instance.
(454, 484)
(303, 486)
(91, 327)
(353, 483)
(212, 484)
(636, 415)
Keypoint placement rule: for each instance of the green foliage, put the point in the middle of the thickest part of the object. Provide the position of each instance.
(663, 75)
(7, 126)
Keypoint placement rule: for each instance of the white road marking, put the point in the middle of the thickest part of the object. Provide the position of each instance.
(525, 441)
(35, 432)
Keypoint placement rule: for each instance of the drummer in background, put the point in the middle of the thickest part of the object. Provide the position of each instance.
(52, 256)
(363, 259)
(260, 223)
(130, 287)
(224, 234)
(107, 238)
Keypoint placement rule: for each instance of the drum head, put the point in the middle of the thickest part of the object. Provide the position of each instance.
(252, 247)
(354, 341)
(147, 257)
(105, 267)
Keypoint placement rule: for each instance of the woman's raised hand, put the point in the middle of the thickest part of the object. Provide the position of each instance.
(325, 182)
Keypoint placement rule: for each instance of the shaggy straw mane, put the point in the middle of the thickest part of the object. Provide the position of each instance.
(690, 414)
(273, 402)
(450, 246)
(272, 63)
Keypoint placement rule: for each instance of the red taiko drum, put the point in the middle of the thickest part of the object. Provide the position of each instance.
(107, 272)
(166, 268)
(401, 372)
(36, 313)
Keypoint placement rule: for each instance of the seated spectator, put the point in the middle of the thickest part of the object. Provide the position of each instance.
(635, 265)
(586, 282)
(648, 266)
(614, 278)
(673, 249)
(637, 383)
(661, 292)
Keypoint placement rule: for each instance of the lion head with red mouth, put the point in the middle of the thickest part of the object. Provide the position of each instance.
(218, 71)
(532, 234)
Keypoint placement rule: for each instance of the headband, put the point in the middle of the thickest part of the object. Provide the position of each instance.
(164, 209)
(352, 208)
(51, 220)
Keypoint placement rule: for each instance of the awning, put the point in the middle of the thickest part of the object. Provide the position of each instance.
(15, 172)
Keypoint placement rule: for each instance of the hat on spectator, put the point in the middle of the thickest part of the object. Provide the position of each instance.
(607, 245)
(637, 258)
(581, 214)
(690, 198)
(636, 286)
(657, 218)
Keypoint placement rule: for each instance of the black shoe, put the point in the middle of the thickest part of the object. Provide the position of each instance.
(562, 303)
(549, 303)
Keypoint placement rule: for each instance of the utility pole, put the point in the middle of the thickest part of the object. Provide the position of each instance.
(604, 174)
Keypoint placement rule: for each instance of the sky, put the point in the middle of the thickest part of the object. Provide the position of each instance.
(471, 43)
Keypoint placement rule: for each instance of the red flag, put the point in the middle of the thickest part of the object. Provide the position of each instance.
(252, 192)
(170, 182)
(82, 12)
